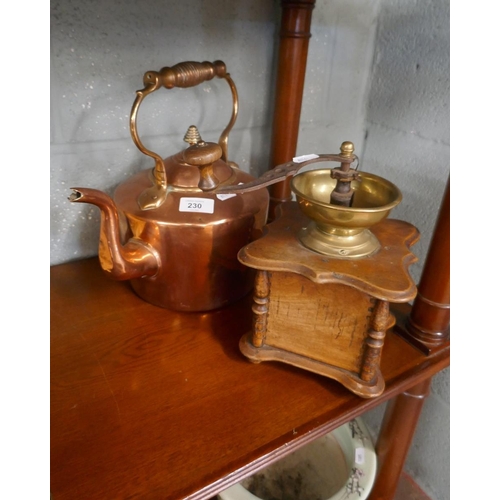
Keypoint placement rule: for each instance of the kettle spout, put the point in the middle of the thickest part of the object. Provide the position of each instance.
(134, 259)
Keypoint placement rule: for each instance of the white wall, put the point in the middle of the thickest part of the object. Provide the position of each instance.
(377, 75)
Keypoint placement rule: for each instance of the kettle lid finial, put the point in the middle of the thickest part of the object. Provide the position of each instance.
(192, 135)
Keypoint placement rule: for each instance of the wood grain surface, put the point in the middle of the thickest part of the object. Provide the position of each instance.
(148, 403)
(327, 322)
(383, 275)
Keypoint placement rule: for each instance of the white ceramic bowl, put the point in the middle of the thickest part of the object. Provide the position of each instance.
(338, 466)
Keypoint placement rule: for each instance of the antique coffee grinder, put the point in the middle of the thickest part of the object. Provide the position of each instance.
(327, 269)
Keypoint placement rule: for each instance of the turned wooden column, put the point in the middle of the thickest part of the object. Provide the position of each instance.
(427, 326)
(292, 59)
(395, 437)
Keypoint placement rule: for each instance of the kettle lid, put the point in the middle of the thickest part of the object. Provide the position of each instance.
(198, 166)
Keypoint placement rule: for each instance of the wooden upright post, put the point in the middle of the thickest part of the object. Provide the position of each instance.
(395, 438)
(427, 326)
(292, 60)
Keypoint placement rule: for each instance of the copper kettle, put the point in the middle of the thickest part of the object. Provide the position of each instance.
(167, 230)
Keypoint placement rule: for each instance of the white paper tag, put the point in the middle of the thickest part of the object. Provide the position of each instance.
(225, 196)
(204, 205)
(360, 456)
(303, 158)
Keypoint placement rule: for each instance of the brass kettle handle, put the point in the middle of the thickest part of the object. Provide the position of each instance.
(183, 75)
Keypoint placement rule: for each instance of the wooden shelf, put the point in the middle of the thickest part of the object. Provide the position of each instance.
(149, 403)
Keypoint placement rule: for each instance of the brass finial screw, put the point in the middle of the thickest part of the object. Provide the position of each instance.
(342, 193)
(192, 135)
(347, 149)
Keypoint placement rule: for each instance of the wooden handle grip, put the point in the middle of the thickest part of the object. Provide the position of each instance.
(186, 74)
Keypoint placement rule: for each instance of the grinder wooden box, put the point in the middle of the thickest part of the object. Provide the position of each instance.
(324, 314)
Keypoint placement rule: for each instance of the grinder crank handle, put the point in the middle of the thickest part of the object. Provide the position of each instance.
(280, 173)
(183, 75)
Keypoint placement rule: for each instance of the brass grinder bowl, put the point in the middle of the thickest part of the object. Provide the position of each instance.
(338, 231)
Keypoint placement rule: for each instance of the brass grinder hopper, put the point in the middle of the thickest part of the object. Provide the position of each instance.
(343, 204)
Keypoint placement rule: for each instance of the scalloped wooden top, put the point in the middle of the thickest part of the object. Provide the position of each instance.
(383, 275)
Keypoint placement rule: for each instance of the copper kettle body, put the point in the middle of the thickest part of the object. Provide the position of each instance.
(166, 229)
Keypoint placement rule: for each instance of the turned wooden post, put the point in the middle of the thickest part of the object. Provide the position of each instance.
(380, 321)
(260, 307)
(395, 437)
(292, 60)
(427, 326)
